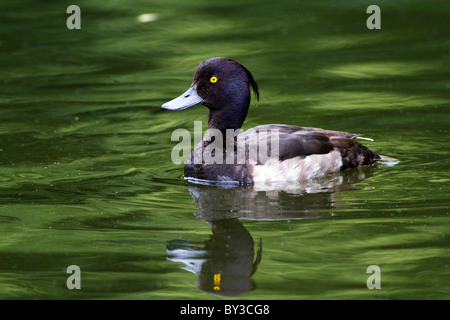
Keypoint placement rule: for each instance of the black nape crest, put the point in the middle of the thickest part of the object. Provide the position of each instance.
(252, 81)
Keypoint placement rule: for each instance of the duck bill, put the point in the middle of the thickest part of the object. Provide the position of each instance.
(188, 99)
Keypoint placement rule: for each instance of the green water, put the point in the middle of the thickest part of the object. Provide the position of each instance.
(86, 176)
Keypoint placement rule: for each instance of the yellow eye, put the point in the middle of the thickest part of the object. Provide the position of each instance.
(213, 79)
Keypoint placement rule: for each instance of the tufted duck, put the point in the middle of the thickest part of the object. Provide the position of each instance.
(223, 86)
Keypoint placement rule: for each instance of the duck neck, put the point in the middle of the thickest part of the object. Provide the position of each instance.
(230, 112)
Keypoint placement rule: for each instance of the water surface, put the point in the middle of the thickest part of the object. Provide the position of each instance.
(86, 176)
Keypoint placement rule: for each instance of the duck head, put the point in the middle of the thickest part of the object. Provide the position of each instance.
(223, 86)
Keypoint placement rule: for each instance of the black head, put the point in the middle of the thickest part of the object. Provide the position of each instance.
(222, 85)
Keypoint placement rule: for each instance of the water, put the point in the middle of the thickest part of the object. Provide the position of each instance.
(86, 177)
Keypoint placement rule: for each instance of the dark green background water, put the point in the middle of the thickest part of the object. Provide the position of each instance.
(86, 176)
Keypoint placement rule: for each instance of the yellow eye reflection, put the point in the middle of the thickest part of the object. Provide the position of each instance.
(213, 79)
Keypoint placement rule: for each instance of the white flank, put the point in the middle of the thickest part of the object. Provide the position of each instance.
(295, 169)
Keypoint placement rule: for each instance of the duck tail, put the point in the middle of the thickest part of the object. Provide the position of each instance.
(353, 153)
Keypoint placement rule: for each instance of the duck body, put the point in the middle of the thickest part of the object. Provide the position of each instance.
(299, 153)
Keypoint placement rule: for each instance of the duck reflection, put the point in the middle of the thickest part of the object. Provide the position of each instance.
(226, 261)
